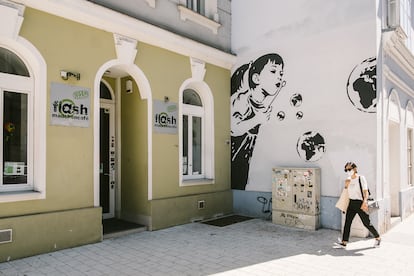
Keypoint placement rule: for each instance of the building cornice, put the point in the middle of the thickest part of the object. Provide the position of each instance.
(395, 48)
(391, 76)
(99, 17)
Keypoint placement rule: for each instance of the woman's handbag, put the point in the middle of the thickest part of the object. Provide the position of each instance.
(373, 206)
(343, 201)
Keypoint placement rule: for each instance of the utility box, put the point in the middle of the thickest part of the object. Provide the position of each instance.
(296, 197)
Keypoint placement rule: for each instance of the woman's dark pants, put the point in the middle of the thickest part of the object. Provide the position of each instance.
(354, 208)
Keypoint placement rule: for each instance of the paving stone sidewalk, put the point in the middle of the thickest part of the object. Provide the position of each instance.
(253, 247)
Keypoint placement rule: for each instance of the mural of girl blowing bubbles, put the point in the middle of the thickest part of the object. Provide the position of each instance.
(254, 87)
(362, 86)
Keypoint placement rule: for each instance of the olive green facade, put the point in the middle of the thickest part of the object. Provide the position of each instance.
(148, 189)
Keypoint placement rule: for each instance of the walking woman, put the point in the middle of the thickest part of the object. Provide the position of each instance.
(358, 204)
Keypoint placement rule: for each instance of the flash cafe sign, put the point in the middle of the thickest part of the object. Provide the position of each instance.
(165, 117)
(69, 105)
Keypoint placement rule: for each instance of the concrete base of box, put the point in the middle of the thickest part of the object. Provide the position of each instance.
(309, 222)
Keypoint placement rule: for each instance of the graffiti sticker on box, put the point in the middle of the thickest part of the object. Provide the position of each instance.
(69, 105)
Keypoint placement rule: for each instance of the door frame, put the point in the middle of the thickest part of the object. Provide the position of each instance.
(144, 90)
(113, 169)
(394, 167)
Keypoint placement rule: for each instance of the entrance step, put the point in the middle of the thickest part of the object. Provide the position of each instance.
(395, 221)
(117, 227)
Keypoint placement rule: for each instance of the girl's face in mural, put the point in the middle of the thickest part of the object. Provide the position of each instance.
(270, 78)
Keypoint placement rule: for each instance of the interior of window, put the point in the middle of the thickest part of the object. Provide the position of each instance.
(192, 98)
(10, 63)
(104, 92)
(192, 133)
(14, 138)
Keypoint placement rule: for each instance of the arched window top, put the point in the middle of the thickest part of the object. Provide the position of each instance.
(10, 63)
(394, 106)
(105, 93)
(191, 97)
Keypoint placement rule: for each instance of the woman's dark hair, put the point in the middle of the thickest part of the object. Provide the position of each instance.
(350, 164)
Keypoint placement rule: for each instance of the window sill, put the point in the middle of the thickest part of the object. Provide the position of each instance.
(20, 196)
(191, 15)
(197, 182)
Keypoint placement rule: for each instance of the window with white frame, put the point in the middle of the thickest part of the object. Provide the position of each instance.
(399, 16)
(16, 88)
(192, 135)
(23, 109)
(197, 5)
(405, 21)
(410, 156)
(202, 12)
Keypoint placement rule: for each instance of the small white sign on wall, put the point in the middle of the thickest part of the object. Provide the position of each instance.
(165, 117)
(69, 105)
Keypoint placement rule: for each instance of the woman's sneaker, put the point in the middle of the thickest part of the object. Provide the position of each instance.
(339, 245)
(377, 243)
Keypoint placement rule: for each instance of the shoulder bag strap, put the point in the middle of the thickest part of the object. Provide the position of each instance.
(360, 187)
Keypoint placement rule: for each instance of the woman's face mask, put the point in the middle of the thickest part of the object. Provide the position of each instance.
(350, 173)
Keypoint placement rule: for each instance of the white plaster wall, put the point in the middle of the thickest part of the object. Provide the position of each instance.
(321, 41)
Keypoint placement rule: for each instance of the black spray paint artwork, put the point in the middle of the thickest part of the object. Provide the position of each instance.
(296, 102)
(311, 146)
(254, 87)
(362, 86)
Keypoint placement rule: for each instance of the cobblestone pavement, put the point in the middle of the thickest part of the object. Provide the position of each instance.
(253, 247)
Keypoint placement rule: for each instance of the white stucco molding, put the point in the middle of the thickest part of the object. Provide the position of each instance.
(394, 110)
(102, 18)
(151, 3)
(198, 69)
(126, 48)
(409, 115)
(188, 14)
(11, 19)
(394, 78)
(394, 47)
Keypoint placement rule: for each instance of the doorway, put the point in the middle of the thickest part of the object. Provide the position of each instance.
(107, 152)
(394, 169)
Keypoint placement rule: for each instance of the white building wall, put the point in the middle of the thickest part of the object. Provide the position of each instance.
(397, 95)
(321, 43)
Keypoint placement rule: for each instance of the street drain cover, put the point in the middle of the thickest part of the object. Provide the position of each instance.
(224, 221)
